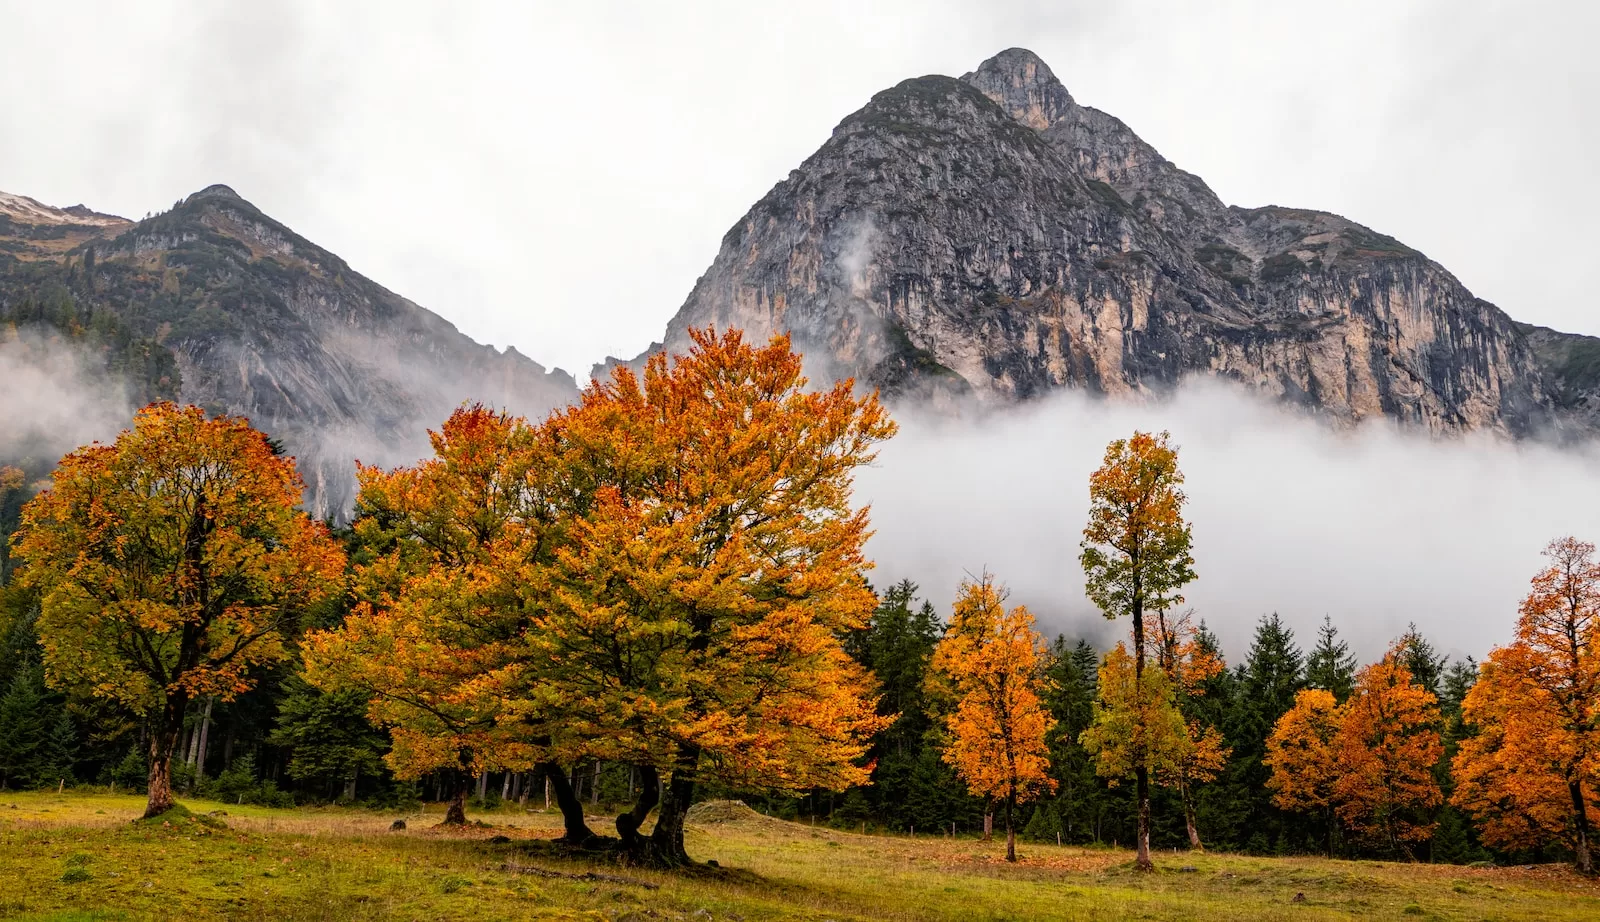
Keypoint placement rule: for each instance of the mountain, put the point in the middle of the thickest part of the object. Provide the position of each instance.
(215, 303)
(989, 239)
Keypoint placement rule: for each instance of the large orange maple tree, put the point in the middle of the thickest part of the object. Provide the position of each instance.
(992, 658)
(172, 564)
(1531, 772)
(712, 561)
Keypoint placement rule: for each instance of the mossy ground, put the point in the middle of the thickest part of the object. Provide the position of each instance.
(73, 857)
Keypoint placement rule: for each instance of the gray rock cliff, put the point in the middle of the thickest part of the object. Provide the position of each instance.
(988, 238)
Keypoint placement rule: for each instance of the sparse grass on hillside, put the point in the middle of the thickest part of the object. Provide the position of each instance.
(78, 857)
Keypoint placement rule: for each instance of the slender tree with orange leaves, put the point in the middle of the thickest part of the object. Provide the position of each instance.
(992, 658)
(172, 564)
(436, 635)
(692, 616)
(1304, 759)
(1201, 754)
(1387, 746)
(1531, 773)
(1136, 557)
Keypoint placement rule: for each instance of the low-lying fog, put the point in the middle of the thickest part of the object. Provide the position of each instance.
(1373, 526)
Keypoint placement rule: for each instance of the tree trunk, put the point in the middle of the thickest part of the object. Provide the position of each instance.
(1011, 832)
(1141, 771)
(505, 786)
(594, 787)
(456, 813)
(163, 743)
(577, 831)
(483, 788)
(988, 821)
(350, 788)
(1187, 794)
(665, 847)
(205, 740)
(628, 823)
(1580, 822)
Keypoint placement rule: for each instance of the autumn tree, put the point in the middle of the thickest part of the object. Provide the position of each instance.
(991, 657)
(436, 636)
(712, 561)
(172, 564)
(1136, 559)
(1190, 664)
(1387, 745)
(1303, 756)
(1531, 773)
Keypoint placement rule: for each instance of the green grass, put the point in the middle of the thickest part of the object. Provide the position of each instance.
(78, 857)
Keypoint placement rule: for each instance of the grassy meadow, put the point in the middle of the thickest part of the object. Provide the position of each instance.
(76, 857)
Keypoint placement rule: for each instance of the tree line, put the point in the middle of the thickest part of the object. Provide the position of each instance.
(660, 594)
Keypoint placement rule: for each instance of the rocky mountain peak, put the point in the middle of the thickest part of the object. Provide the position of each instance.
(1023, 85)
(215, 190)
(991, 240)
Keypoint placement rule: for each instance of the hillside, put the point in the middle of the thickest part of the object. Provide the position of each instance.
(244, 316)
(989, 238)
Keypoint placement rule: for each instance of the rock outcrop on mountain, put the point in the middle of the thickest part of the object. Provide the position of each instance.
(217, 304)
(989, 239)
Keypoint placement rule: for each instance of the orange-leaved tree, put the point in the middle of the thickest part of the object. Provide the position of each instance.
(1531, 773)
(1190, 663)
(712, 562)
(172, 564)
(1304, 759)
(1387, 746)
(435, 637)
(992, 658)
(1136, 559)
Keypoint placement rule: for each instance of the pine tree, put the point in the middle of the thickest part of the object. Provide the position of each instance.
(1331, 667)
(24, 726)
(896, 646)
(1071, 672)
(1266, 685)
(1425, 664)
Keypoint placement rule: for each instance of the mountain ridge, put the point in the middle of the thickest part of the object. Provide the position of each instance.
(260, 322)
(988, 239)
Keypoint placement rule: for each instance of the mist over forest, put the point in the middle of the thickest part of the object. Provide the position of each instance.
(1374, 526)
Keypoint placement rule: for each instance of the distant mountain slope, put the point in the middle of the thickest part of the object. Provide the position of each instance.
(259, 321)
(988, 237)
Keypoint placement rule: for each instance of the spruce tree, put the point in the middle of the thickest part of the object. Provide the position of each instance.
(1265, 686)
(1331, 667)
(1419, 656)
(1073, 671)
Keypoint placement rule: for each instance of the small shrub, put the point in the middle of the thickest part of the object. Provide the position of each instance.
(76, 874)
(1412, 909)
(454, 884)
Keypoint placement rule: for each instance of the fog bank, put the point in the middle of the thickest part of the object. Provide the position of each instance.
(53, 399)
(1373, 526)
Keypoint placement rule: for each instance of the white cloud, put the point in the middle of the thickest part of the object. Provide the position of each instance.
(1374, 527)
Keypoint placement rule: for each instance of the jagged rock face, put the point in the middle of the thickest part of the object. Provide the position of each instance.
(267, 325)
(988, 237)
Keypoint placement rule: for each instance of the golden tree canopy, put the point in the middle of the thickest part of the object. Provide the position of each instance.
(173, 561)
(1531, 772)
(992, 659)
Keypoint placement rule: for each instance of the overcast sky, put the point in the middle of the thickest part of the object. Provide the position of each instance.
(555, 176)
